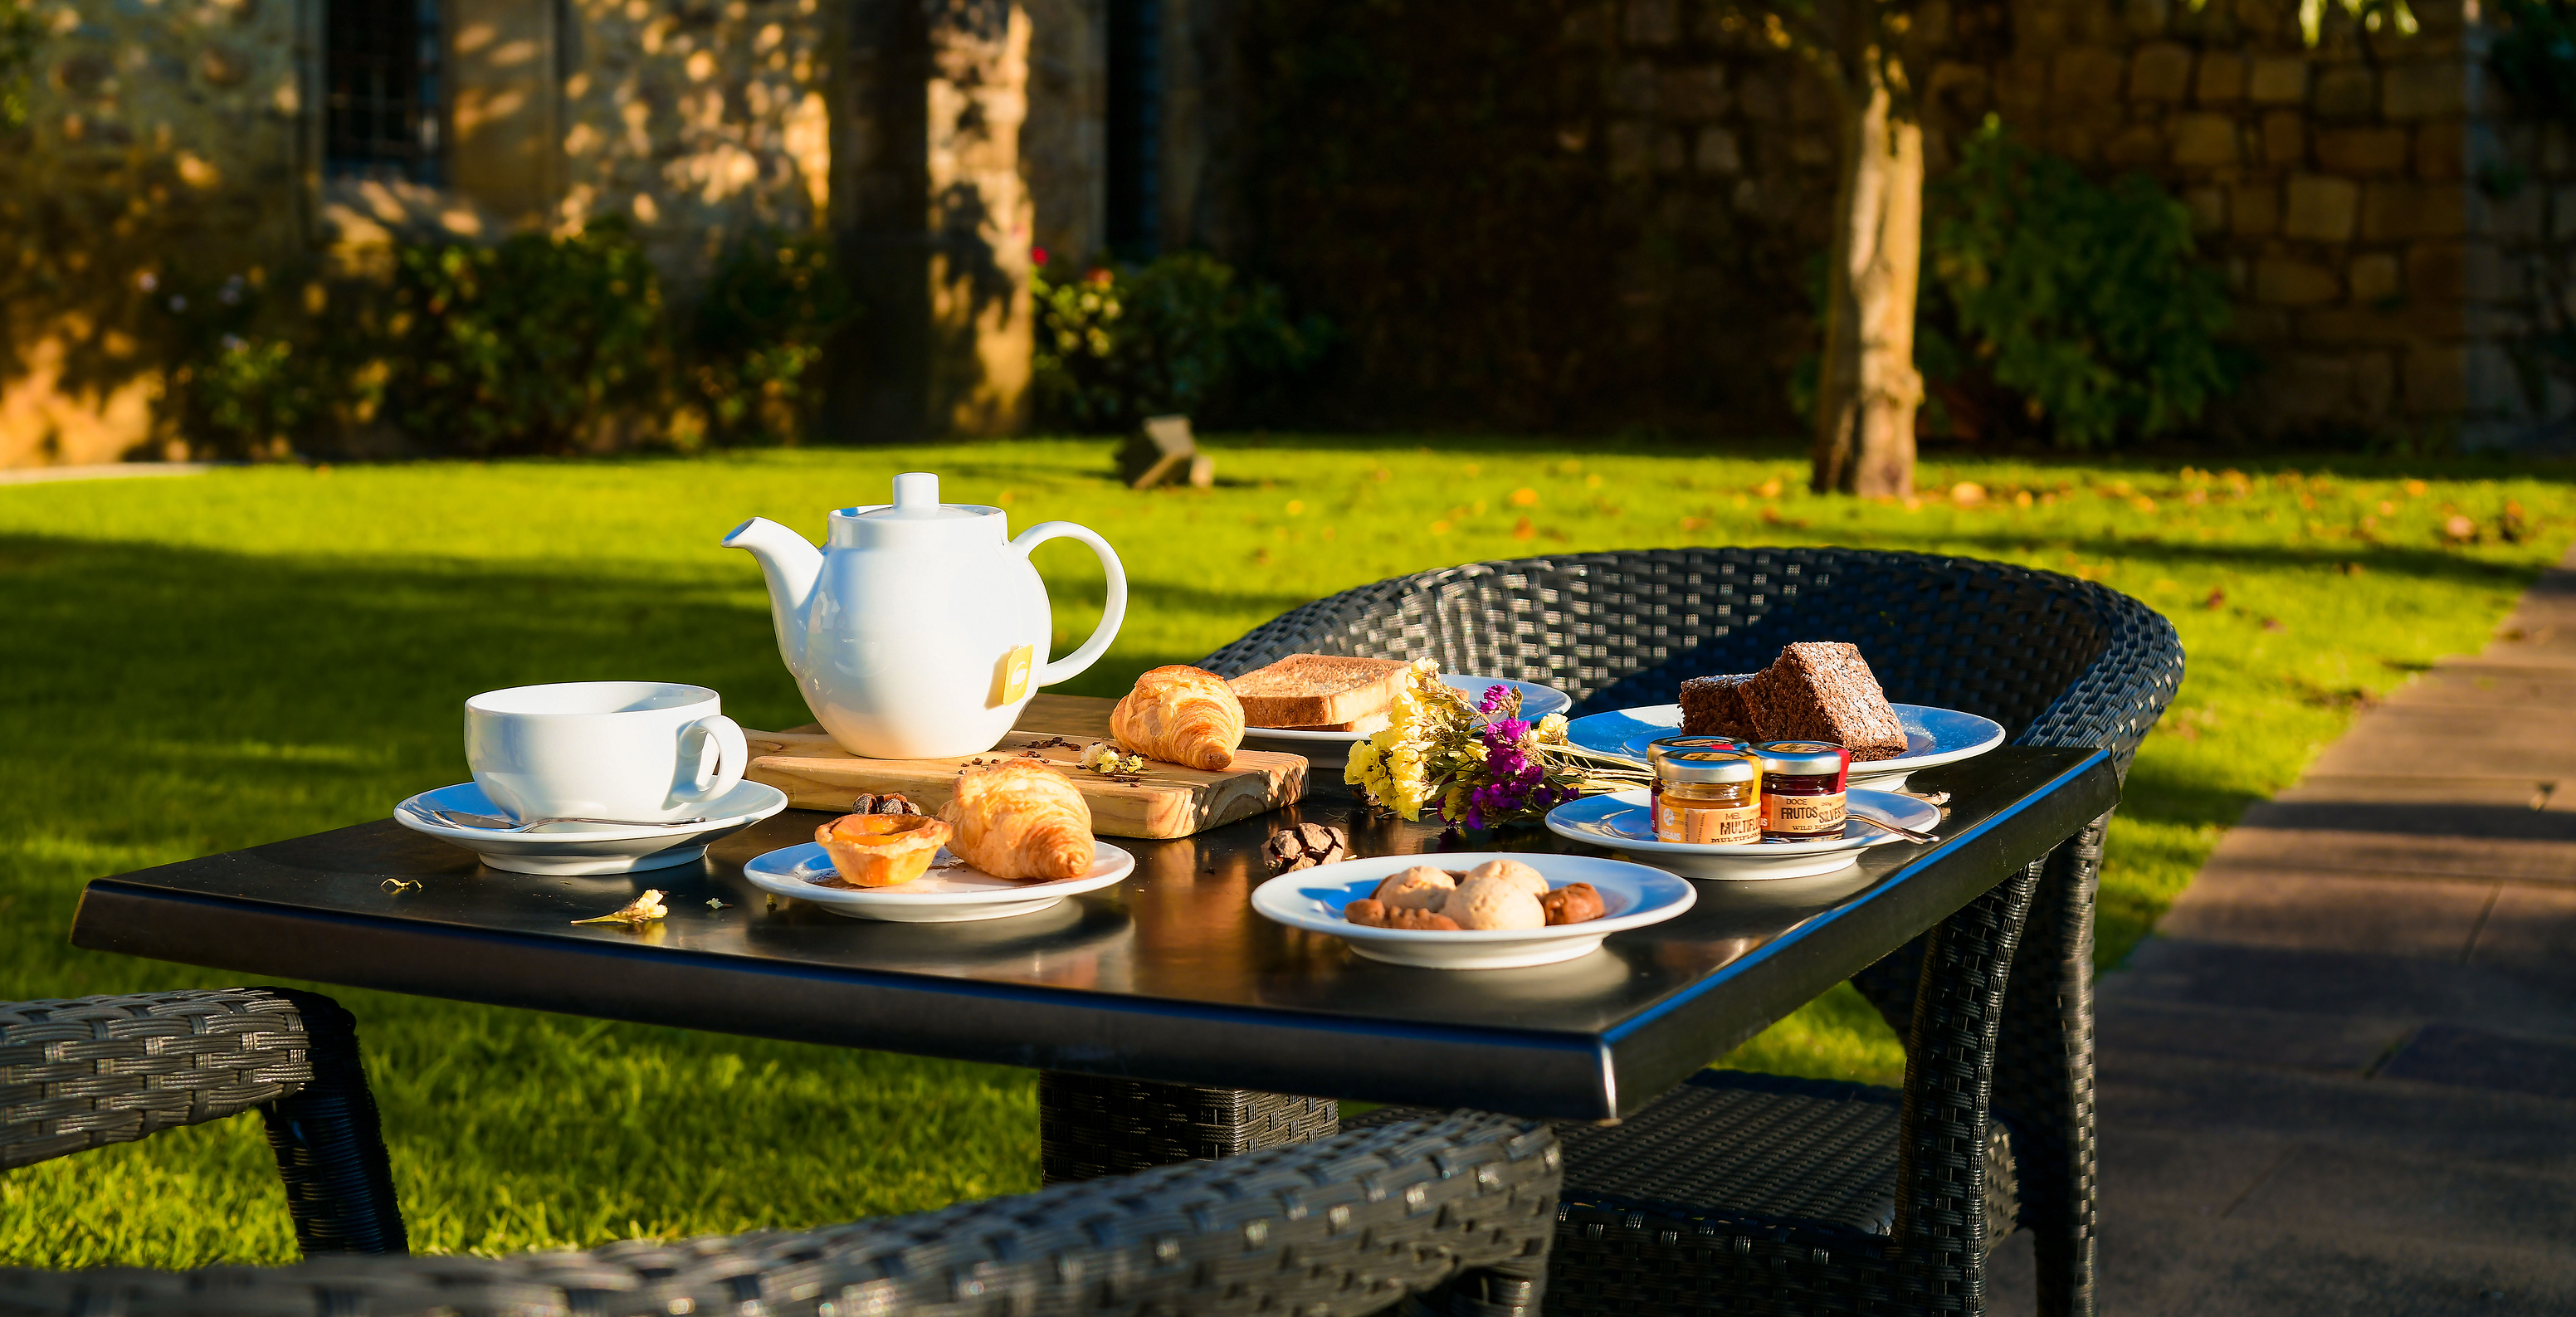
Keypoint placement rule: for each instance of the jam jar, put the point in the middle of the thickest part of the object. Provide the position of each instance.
(1708, 797)
(1803, 789)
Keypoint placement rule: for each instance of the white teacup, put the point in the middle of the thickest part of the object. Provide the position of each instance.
(645, 751)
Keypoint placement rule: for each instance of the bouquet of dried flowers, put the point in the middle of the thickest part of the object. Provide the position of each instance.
(1476, 765)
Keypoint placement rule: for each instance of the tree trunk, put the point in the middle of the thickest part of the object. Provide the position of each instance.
(1866, 385)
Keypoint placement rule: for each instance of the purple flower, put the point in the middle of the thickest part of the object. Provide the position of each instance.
(1495, 695)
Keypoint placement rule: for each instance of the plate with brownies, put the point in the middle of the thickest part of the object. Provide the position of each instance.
(1815, 691)
(1332, 697)
(1474, 910)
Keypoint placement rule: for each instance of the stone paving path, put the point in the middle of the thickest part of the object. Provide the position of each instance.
(2342, 1076)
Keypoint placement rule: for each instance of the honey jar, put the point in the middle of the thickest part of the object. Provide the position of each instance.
(1803, 789)
(1708, 796)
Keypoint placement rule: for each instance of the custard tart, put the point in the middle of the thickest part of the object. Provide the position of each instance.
(882, 850)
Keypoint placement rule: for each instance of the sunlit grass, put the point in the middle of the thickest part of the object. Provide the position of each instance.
(203, 664)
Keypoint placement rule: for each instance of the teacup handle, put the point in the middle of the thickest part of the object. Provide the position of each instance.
(1115, 612)
(733, 755)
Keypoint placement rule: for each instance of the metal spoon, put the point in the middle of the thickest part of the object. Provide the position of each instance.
(496, 823)
(1907, 833)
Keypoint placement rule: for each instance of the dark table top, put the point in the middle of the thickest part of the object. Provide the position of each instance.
(1168, 976)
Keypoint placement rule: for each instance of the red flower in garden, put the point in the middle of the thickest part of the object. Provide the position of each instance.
(1037, 255)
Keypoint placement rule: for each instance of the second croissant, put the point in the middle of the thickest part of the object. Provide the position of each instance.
(1181, 715)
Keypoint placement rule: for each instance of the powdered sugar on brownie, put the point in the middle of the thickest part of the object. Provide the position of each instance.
(1823, 690)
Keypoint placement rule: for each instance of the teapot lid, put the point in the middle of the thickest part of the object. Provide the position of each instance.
(916, 518)
(916, 498)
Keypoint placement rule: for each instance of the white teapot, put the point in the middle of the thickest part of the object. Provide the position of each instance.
(920, 630)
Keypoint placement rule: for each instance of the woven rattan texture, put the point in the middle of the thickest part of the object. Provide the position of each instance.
(2057, 661)
(1813, 1155)
(1089, 1126)
(92, 1071)
(329, 1146)
(1814, 1158)
(1343, 1226)
(81, 1073)
(2043, 1087)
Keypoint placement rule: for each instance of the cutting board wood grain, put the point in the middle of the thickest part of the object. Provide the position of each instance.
(1169, 801)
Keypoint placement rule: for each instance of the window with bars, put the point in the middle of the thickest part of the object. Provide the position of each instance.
(382, 111)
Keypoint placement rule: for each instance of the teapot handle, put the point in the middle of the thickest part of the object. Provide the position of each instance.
(1111, 614)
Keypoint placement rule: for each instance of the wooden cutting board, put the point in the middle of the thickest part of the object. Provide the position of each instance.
(1171, 801)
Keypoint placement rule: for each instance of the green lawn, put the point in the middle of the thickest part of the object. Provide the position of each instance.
(202, 664)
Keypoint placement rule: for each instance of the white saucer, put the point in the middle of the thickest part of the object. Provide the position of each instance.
(1537, 702)
(580, 849)
(1623, 819)
(1632, 896)
(952, 892)
(1932, 736)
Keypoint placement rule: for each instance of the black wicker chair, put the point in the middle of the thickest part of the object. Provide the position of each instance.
(1447, 1215)
(1751, 1193)
(86, 1072)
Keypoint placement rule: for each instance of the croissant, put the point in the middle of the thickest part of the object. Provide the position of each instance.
(1020, 820)
(1180, 715)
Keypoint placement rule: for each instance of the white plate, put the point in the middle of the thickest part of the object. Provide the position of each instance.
(1537, 702)
(1632, 896)
(952, 892)
(582, 849)
(1932, 736)
(1624, 819)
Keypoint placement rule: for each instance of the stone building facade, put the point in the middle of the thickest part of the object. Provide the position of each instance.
(2388, 228)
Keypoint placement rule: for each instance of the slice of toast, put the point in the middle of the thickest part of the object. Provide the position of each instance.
(1317, 690)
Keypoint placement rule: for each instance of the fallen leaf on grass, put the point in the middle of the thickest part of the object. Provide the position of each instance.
(2217, 600)
(2273, 624)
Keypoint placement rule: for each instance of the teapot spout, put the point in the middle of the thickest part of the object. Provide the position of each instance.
(791, 564)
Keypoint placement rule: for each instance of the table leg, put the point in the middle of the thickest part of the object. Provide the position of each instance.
(2044, 1074)
(1089, 1127)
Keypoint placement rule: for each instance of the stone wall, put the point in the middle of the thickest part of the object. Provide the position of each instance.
(184, 137)
(153, 130)
(2364, 196)
(2390, 232)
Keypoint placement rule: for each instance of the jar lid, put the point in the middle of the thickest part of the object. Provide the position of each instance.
(1800, 758)
(1705, 766)
(1657, 749)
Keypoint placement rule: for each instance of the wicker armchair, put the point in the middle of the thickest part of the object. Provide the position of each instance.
(90, 1071)
(1751, 1193)
(1448, 1215)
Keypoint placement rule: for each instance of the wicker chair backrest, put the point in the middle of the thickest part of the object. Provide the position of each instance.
(1347, 1225)
(2057, 661)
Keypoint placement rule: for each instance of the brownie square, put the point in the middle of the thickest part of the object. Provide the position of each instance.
(1823, 690)
(1714, 706)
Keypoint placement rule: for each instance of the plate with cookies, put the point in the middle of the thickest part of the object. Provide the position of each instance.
(1332, 697)
(1814, 691)
(1014, 838)
(1472, 910)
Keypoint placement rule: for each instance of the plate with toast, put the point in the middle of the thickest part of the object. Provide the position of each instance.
(1329, 697)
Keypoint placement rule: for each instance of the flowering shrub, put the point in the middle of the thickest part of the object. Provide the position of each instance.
(1180, 335)
(528, 345)
(539, 344)
(759, 333)
(1475, 766)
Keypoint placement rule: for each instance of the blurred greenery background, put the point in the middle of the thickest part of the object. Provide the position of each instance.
(207, 663)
